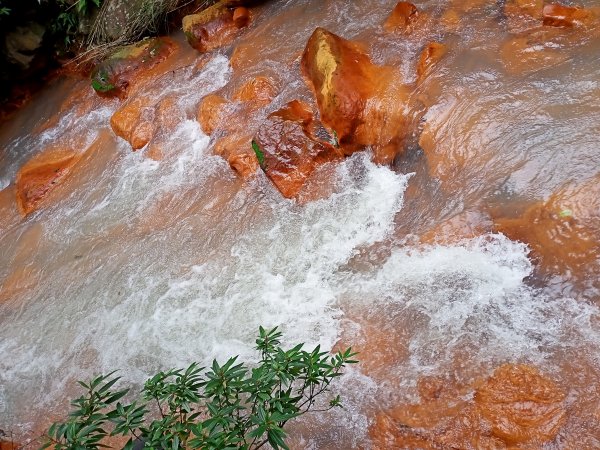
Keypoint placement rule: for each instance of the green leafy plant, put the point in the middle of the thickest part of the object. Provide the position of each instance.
(66, 23)
(4, 10)
(259, 155)
(229, 406)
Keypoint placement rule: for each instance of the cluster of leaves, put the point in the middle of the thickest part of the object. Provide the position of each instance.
(66, 23)
(228, 406)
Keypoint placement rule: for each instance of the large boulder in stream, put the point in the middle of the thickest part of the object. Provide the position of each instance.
(215, 26)
(288, 149)
(363, 103)
(113, 76)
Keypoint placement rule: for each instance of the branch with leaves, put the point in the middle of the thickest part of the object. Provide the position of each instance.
(229, 406)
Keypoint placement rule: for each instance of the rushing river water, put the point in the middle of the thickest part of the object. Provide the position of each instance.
(143, 264)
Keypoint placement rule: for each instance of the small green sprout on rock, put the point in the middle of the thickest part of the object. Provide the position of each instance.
(259, 155)
(101, 83)
(566, 213)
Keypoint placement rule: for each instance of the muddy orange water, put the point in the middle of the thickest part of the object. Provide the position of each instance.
(466, 273)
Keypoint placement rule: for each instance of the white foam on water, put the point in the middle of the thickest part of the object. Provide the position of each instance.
(473, 297)
(199, 285)
(136, 308)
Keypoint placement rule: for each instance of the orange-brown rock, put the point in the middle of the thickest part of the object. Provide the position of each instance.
(522, 405)
(241, 17)
(41, 175)
(260, 91)
(386, 433)
(135, 122)
(215, 26)
(441, 421)
(237, 150)
(431, 54)
(563, 232)
(517, 407)
(402, 18)
(210, 112)
(244, 163)
(113, 76)
(169, 113)
(288, 151)
(141, 119)
(557, 15)
(354, 95)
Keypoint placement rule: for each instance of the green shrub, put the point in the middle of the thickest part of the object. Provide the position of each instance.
(228, 406)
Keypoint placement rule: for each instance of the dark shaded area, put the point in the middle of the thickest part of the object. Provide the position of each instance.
(28, 50)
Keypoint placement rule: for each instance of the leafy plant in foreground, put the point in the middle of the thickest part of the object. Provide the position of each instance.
(228, 406)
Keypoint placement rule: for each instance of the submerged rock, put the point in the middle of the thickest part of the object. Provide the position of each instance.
(9, 445)
(258, 91)
(431, 54)
(354, 95)
(287, 149)
(532, 8)
(516, 407)
(113, 76)
(563, 232)
(522, 405)
(215, 26)
(531, 51)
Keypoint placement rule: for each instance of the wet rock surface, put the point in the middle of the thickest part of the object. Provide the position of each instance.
(522, 405)
(113, 76)
(141, 118)
(516, 407)
(562, 232)
(350, 92)
(211, 112)
(437, 297)
(287, 150)
(431, 54)
(41, 175)
(216, 26)
(402, 19)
